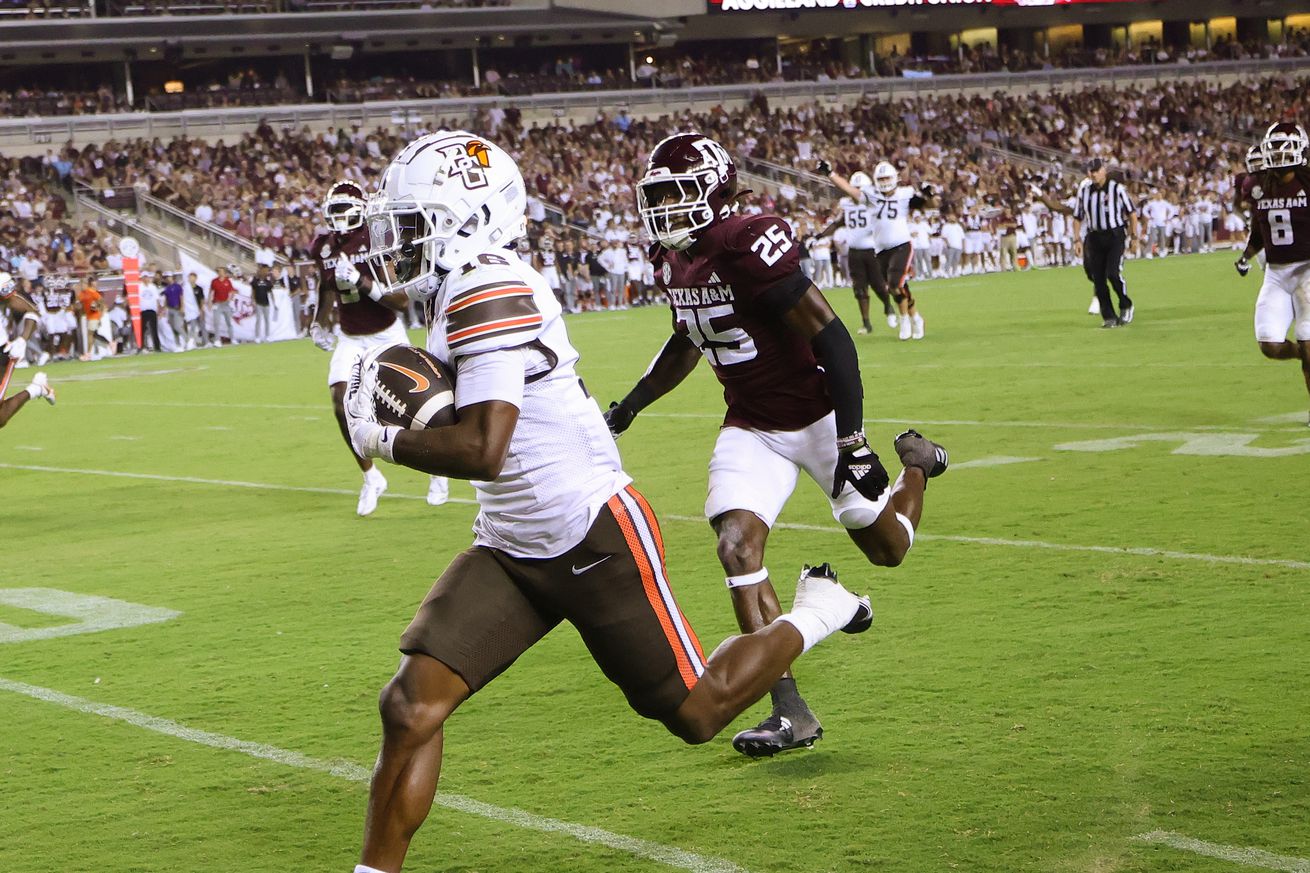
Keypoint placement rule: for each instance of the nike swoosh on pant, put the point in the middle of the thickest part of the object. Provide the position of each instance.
(578, 571)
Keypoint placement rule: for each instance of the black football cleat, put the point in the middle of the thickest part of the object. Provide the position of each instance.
(916, 450)
(777, 734)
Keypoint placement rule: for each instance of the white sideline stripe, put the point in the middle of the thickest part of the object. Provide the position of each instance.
(1236, 854)
(996, 461)
(125, 374)
(1057, 425)
(1140, 551)
(226, 483)
(668, 855)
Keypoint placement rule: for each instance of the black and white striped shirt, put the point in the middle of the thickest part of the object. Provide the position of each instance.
(1104, 208)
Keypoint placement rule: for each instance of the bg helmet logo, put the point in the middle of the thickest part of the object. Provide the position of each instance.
(477, 149)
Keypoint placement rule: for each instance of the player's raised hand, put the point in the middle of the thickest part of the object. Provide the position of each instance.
(618, 418)
(859, 466)
(823, 168)
(347, 275)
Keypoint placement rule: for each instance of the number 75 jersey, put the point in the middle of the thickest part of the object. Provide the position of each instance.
(728, 293)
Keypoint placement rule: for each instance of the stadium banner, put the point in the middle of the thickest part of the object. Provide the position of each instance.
(282, 323)
(793, 5)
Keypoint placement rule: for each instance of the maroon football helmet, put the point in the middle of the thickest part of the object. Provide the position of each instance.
(1284, 145)
(343, 207)
(690, 184)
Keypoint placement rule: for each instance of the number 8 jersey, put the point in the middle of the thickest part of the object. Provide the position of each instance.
(1281, 212)
(728, 293)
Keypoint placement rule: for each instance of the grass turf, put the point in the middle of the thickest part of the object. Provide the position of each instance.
(1016, 708)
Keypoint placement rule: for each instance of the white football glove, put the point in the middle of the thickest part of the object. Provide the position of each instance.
(15, 349)
(322, 337)
(346, 274)
(368, 437)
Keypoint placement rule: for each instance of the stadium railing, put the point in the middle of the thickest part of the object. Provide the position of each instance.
(25, 132)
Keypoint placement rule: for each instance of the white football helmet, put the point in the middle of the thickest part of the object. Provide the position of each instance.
(1284, 145)
(343, 206)
(7, 285)
(860, 180)
(1255, 160)
(446, 198)
(885, 177)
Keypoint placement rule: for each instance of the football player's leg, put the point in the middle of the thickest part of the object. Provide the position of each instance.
(1275, 313)
(1094, 265)
(860, 285)
(10, 405)
(472, 625)
(338, 390)
(624, 608)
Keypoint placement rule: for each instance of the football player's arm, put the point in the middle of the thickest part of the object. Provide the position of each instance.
(1254, 244)
(832, 227)
(844, 185)
(675, 361)
(805, 310)
(1053, 205)
(25, 309)
(473, 448)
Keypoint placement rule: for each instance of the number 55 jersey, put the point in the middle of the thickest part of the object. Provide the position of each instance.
(729, 292)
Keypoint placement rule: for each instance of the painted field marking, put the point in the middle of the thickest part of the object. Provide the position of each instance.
(126, 374)
(1146, 552)
(668, 855)
(1236, 854)
(91, 614)
(30, 448)
(996, 461)
(904, 421)
(1285, 418)
(1210, 444)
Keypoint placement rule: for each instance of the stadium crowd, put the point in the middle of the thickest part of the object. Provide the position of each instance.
(506, 75)
(1170, 141)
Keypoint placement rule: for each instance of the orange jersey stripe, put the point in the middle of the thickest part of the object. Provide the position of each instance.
(508, 291)
(492, 326)
(648, 583)
(654, 524)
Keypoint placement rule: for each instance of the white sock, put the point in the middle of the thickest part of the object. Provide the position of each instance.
(373, 476)
(364, 868)
(813, 625)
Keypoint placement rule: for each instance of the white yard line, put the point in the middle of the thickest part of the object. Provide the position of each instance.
(1142, 551)
(1056, 425)
(670, 856)
(124, 374)
(994, 461)
(1236, 854)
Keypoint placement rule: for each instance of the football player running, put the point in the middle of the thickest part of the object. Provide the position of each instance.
(562, 535)
(888, 205)
(740, 301)
(1279, 198)
(13, 350)
(365, 322)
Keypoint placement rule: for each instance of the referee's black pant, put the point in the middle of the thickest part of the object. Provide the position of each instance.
(1103, 258)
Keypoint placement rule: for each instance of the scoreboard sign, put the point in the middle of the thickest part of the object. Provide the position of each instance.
(791, 5)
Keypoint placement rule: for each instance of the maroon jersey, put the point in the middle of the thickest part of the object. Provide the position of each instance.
(1281, 211)
(359, 315)
(719, 291)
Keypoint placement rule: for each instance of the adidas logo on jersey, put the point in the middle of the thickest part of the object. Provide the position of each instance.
(714, 279)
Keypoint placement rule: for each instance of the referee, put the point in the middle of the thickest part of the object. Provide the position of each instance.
(1103, 209)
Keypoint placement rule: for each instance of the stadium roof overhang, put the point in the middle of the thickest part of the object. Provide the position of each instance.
(383, 30)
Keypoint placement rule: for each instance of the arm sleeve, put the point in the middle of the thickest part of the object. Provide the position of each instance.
(498, 375)
(835, 349)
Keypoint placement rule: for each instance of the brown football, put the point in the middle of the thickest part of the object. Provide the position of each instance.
(414, 389)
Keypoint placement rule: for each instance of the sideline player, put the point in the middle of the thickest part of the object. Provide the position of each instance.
(888, 206)
(562, 535)
(740, 300)
(364, 323)
(13, 350)
(1280, 209)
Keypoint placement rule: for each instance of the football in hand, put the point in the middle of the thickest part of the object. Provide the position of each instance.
(414, 390)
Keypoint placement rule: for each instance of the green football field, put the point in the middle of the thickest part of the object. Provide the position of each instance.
(1094, 658)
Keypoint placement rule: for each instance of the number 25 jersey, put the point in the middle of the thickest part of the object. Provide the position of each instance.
(728, 293)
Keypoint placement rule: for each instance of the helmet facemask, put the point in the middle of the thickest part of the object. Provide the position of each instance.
(674, 207)
(400, 249)
(1255, 161)
(343, 209)
(1284, 149)
(885, 178)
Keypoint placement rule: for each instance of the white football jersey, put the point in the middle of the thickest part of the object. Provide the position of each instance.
(562, 464)
(857, 221)
(889, 215)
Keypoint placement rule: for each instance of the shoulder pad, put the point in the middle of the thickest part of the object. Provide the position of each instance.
(489, 304)
(905, 191)
(321, 247)
(748, 228)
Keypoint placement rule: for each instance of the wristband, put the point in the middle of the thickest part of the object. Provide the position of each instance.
(387, 443)
(851, 441)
